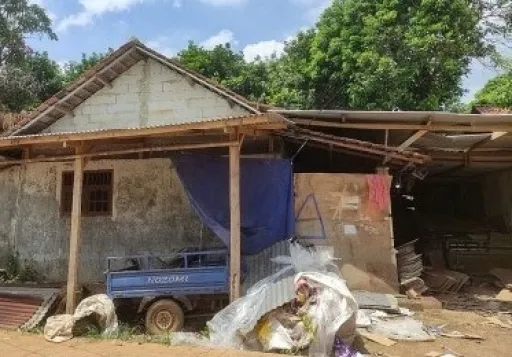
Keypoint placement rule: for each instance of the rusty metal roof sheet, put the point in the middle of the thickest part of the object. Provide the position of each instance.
(24, 308)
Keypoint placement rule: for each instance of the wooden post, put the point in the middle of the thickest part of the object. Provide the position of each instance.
(75, 236)
(234, 194)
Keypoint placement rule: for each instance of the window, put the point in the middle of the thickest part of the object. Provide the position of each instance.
(96, 193)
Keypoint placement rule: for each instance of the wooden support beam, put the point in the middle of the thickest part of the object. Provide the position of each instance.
(412, 139)
(357, 145)
(235, 234)
(87, 155)
(75, 235)
(476, 128)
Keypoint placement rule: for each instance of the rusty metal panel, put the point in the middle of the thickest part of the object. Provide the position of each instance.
(15, 310)
(24, 308)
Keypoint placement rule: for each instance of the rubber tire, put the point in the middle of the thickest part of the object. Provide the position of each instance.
(164, 305)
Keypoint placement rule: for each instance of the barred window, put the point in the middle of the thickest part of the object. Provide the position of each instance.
(96, 193)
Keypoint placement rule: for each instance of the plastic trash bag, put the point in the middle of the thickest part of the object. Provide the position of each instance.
(333, 306)
(60, 328)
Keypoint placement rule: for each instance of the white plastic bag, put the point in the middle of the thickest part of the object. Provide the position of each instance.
(334, 306)
(60, 328)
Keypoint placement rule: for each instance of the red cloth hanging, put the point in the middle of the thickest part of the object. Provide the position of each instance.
(378, 186)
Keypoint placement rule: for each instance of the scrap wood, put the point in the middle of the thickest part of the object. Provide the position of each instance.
(457, 334)
(505, 295)
(505, 276)
(381, 340)
(493, 320)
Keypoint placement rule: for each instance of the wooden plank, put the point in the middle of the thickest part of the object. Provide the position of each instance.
(234, 204)
(412, 139)
(476, 128)
(143, 132)
(122, 152)
(75, 235)
(374, 149)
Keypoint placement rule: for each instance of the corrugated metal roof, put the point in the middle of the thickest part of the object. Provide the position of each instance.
(24, 308)
(416, 117)
(101, 134)
(173, 125)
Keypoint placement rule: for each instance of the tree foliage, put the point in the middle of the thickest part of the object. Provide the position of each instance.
(388, 54)
(498, 91)
(74, 69)
(362, 54)
(229, 68)
(23, 74)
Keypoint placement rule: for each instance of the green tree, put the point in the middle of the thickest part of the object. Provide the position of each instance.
(228, 68)
(27, 84)
(387, 54)
(290, 80)
(497, 91)
(18, 20)
(74, 69)
(23, 73)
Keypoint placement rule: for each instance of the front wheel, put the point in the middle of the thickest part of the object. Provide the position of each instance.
(164, 316)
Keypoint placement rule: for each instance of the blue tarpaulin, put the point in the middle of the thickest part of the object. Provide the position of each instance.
(266, 197)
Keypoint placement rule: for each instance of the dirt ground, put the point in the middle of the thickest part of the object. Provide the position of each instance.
(497, 343)
(15, 344)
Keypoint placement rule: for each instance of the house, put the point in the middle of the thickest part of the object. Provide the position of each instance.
(117, 125)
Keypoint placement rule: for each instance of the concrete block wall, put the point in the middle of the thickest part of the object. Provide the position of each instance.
(151, 214)
(147, 94)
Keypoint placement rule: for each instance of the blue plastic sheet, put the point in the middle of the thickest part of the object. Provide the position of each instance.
(266, 197)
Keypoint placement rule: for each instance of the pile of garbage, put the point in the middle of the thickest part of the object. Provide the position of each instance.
(320, 318)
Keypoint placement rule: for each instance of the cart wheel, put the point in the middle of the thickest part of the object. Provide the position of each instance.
(164, 316)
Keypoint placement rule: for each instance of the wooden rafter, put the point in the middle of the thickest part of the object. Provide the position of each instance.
(64, 110)
(356, 145)
(103, 81)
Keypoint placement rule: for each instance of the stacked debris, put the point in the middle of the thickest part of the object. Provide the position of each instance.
(440, 279)
(505, 282)
(410, 269)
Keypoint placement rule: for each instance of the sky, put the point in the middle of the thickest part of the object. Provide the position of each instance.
(255, 27)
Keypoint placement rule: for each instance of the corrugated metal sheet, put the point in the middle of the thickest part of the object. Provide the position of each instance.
(213, 120)
(260, 266)
(417, 117)
(24, 308)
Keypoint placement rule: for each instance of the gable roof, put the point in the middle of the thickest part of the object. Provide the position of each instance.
(101, 75)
